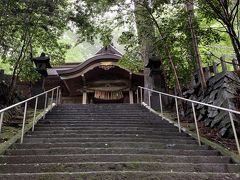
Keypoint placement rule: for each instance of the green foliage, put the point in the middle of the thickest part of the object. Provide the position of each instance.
(27, 29)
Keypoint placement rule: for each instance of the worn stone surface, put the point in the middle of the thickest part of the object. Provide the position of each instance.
(222, 90)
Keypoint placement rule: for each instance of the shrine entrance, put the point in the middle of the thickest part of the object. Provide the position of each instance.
(99, 79)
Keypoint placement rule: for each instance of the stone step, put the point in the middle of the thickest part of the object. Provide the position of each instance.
(160, 129)
(99, 132)
(119, 166)
(120, 139)
(108, 136)
(126, 175)
(25, 159)
(107, 150)
(116, 118)
(106, 125)
(112, 144)
(111, 113)
(97, 121)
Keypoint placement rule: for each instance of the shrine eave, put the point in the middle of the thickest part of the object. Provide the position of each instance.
(95, 59)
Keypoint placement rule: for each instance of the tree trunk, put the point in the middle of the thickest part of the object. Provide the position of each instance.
(168, 53)
(145, 30)
(235, 42)
(197, 57)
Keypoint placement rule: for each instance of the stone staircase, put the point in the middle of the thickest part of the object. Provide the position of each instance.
(111, 141)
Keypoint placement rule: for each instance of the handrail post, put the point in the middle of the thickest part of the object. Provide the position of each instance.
(234, 132)
(35, 112)
(59, 98)
(196, 125)
(52, 99)
(24, 120)
(141, 95)
(178, 118)
(1, 121)
(161, 105)
(57, 95)
(149, 98)
(45, 106)
(137, 97)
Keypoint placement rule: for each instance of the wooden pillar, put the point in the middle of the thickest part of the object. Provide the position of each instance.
(224, 66)
(84, 98)
(235, 64)
(193, 81)
(131, 97)
(215, 70)
(207, 73)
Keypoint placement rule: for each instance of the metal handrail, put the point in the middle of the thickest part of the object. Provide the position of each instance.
(230, 111)
(25, 102)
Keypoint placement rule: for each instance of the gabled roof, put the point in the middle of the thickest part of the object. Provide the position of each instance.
(104, 54)
(109, 50)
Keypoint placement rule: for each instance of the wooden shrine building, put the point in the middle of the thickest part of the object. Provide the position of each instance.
(99, 79)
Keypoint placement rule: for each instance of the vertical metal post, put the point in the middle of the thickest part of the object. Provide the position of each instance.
(1, 121)
(52, 99)
(45, 106)
(234, 132)
(141, 95)
(178, 118)
(137, 97)
(195, 120)
(149, 98)
(160, 101)
(35, 113)
(57, 96)
(24, 121)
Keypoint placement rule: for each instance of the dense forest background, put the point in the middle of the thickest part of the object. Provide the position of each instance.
(186, 35)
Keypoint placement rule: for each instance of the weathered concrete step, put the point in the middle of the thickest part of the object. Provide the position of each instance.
(75, 132)
(111, 158)
(162, 129)
(119, 166)
(126, 175)
(107, 150)
(113, 144)
(163, 136)
(133, 139)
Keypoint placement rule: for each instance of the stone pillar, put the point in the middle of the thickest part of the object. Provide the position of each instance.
(224, 66)
(131, 97)
(38, 88)
(84, 98)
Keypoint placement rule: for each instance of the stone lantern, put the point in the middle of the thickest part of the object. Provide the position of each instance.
(42, 63)
(154, 64)
(158, 81)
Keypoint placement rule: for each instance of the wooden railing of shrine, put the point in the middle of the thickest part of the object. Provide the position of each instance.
(219, 66)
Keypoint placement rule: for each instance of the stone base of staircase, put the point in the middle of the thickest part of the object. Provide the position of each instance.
(111, 141)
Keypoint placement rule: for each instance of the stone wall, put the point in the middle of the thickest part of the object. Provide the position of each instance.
(222, 90)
